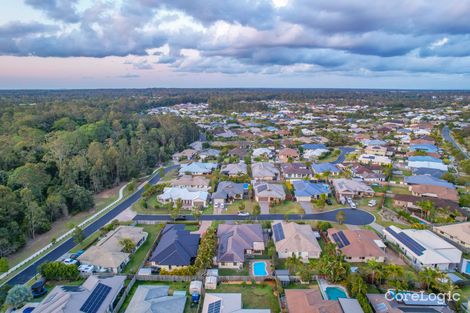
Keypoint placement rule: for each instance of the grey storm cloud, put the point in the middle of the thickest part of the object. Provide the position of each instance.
(425, 36)
(57, 9)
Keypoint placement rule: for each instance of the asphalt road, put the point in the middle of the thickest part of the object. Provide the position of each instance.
(342, 155)
(30, 271)
(353, 217)
(448, 137)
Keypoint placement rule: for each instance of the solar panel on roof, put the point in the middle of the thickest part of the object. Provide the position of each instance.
(407, 241)
(94, 301)
(343, 238)
(214, 307)
(278, 232)
(338, 240)
(262, 188)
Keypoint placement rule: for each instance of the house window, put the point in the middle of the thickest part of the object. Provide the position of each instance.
(234, 263)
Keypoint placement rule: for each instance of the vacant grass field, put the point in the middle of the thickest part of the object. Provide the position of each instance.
(287, 207)
(399, 190)
(259, 296)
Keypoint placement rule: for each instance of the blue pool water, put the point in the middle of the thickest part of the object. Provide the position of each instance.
(467, 268)
(334, 293)
(259, 268)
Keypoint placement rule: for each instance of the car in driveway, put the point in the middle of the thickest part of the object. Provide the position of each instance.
(329, 202)
(372, 203)
(243, 214)
(75, 255)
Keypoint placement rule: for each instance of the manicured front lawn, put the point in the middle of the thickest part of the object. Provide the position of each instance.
(87, 242)
(259, 296)
(399, 190)
(287, 207)
(233, 208)
(138, 257)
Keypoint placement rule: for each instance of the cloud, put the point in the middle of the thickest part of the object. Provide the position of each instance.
(63, 10)
(128, 75)
(262, 36)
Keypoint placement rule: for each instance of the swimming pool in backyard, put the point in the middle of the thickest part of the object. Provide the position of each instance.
(334, 293)
(259, 268)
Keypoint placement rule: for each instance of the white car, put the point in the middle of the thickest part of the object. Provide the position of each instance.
(70, 262)
(243, 214)
(372, 203)
(353, 205)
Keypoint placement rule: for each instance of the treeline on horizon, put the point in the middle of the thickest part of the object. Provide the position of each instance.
(56, 154)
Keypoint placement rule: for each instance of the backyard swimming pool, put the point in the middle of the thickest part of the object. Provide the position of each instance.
(259, 268)
(334, 293)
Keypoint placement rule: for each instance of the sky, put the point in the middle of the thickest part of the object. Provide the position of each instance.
(406, 44)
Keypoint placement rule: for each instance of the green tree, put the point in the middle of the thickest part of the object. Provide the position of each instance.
(127, 244)
(395, 275)
(18, 296)
(197, 214)
(256, 210)
(430, 277)
(340, 217)
(78, 235)
(293, 263)
(4, 267)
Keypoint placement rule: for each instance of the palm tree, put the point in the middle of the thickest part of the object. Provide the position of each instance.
(430, 277)
(340, 217)
(293, 263)
(394, 274)
(375, 269)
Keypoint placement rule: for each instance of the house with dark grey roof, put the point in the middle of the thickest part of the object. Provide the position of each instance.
(295, 171)
(266, 192)
(176, 248)
(236, 241)
(235, 169)
(227, 192)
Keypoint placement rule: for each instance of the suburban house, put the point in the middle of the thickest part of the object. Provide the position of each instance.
(227, 303)
(373, 142)
(457, 233)
(305, 191)
(187, 154)
(295, 171)
(197, 168)
(310, 301)
(312, 154)
(267, 192)
(236, 169)
(295, 239)
(192, 183)
(435, 192)
(358, 245)
(238, 152)
(411, 203)
(176, 248)
(189, 199)
(264, 171)
(366, 174)
(108, 255)
(424, 248)
(148, 298)
(374, 159)
(236, 241)
(427, 180)
(288, 154)
(76, 299)
(424, 147)
(262, 153)
(209, 154)
(349, 188)
(227, 192)
(427, 162)
(376, 150)
(322, 168)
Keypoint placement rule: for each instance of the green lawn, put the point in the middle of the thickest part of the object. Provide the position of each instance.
(233, 207)
(173, 286)
(465, 292)
(173, 174)
(259, 296)
(234, 272)
(399, 190)
(287, 207)
(330, 157)
(87, 242)
(138, 257)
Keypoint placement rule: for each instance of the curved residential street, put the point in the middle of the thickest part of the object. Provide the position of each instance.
(448, 137)
(30, 271)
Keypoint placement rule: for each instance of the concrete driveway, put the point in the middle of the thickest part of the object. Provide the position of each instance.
(307, 206)
(264, 207)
